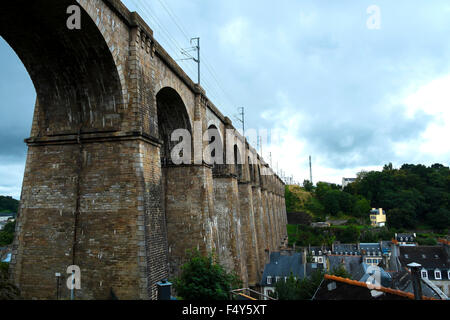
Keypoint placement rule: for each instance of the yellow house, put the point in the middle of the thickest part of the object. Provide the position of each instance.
(378, 217)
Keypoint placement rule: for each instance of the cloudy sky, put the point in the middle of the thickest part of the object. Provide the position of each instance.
(353, 91)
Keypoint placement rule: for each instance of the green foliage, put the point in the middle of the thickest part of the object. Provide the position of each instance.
(8, 291)
(349, 234)
(303, 289)
(296, 198)
(308, 185)
(4, 269)
(7, 234)
(440, 219)
(361, 208)
(8, 204)
(412, 196)
(202, 279)
(314, 206)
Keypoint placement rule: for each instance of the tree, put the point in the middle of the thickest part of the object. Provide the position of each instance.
(7, 234)
(308, 185)
(440, 219)
(361, 208)
(330, 201)
(202, 279)
(8, 204)
(349, 234)
(8, 291)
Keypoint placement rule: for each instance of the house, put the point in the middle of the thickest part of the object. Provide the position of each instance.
(338, 288)
(345, 249)
(284, 264)
(378, 217)
(434, 261)
(405, 239)
(318, 255)
(372, 253)
(320, 225)
(347, 181)
(350, 263)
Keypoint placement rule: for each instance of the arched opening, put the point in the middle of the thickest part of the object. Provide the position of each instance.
(176, 178)
(215, 151)
(172, 115)
(78, 92)
(238, 163)
(73, 71)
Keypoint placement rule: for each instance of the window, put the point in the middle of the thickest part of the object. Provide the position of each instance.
(269, 280)
(424, 274)
(285, 279)
(437, 275)
(277, 279)
(320, 260)
(369, 260)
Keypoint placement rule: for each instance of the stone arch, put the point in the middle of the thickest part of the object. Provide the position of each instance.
(238, 162)
(214, 134)
(172, 115)
(75, 76)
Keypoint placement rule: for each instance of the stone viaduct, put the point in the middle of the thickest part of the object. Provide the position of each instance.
(99, 189)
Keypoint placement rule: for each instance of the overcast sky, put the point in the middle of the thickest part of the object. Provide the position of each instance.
(353, 97)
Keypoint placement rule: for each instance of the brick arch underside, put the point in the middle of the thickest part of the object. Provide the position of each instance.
(73, 71)
(172, 115)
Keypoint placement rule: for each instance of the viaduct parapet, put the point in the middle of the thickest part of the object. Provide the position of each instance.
(99, 189)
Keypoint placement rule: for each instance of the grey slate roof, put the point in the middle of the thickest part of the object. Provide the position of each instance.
(405, 237)
(342, 248)
(282, 266)
(352, 264)
(430, 257)
(402, 281)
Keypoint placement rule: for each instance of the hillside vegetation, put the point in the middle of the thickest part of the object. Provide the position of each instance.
(415, 198)
(8, 205)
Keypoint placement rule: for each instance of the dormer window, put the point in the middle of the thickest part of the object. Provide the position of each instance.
(269, 280)
(437, 275)
(424, 274)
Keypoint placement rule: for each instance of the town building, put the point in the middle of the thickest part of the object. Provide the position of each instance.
(406, 239)
(378, 217)
(338, 288)
(347, 181)
(371, 253)
(284, 264)
(434, 261)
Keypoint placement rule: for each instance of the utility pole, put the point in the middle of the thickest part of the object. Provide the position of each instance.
(198, 57)
(242, 120)
(197, 60)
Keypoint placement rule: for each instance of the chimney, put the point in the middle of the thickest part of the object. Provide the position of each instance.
(164, 290)
(416, 280)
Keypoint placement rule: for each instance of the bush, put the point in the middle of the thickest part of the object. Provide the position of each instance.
(202, 279)
(7, 234)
